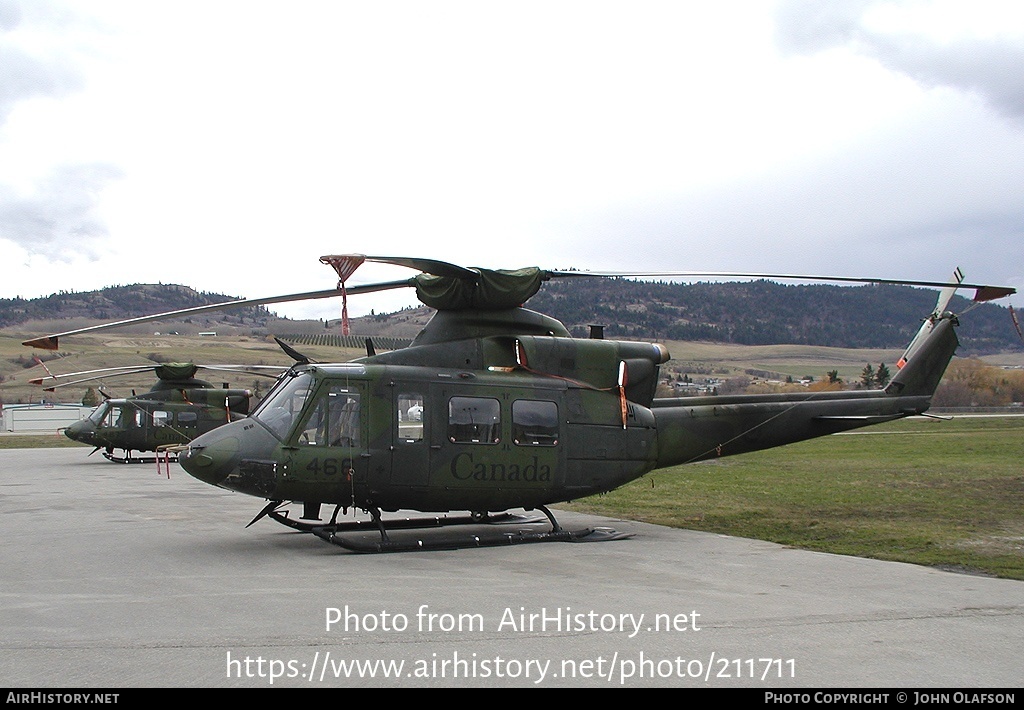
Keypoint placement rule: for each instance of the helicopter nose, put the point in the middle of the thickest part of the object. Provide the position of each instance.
(211, 458)
(227, 457)
(81, 431)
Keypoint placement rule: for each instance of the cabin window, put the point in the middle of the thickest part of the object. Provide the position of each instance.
(410, 417)
(474, 420)
(161, 418)
(534, 423)
(188, 419)
(334, 420)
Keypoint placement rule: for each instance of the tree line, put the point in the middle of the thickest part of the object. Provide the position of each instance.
(118, 303)
(766, 313)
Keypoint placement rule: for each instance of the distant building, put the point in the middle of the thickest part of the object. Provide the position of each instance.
(36, 418)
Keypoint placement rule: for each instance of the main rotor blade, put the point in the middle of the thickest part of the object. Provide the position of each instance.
(51, 386)
(63, 379)
(97, 374)
(982, 292)
(429, 266)
(50, 342)
(272, 371)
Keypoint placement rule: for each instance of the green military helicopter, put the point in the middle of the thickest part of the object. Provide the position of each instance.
(495, 407)
(177, 409)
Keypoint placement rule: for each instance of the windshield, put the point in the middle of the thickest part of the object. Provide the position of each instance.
(279, 409)
(97, 414)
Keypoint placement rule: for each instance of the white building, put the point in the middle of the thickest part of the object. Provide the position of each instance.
(35, 418)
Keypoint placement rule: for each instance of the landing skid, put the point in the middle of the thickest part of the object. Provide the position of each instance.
(132, 459)
(497, 540)
(340, 534)
(403, 523)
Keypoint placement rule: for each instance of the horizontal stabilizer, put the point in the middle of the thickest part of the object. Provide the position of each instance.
(867, 419)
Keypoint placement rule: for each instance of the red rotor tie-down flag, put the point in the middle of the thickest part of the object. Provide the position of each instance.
(40, 362)
(345, 265)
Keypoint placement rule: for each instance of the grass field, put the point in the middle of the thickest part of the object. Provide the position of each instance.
(38, 441)
(943, 493)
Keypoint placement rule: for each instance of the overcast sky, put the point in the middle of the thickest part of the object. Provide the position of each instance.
(227, 145)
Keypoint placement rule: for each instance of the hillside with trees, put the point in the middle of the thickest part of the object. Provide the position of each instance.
(746, 313)
(121, 302)
(767, 313)
(709, 316)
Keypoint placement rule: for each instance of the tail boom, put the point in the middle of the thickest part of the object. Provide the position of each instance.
(698, 428)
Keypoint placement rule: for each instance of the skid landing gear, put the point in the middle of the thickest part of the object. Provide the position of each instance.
(128, 458)
(344, 534)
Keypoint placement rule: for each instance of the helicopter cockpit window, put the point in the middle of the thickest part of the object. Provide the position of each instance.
(534, 423)
(278, 411)
(410, 417)
(99, 414)
(474, 420)
(334, 420)
(119, 416)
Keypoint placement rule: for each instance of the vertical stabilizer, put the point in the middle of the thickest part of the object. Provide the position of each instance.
(945, 296)
(930, 353)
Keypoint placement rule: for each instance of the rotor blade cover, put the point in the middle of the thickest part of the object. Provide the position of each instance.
(490, 290)
(176, 371)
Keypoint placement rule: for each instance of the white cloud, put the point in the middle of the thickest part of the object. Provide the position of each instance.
(251, 139)
(59, 221)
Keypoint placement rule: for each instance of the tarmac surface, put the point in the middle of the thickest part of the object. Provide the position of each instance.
(117, 577)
